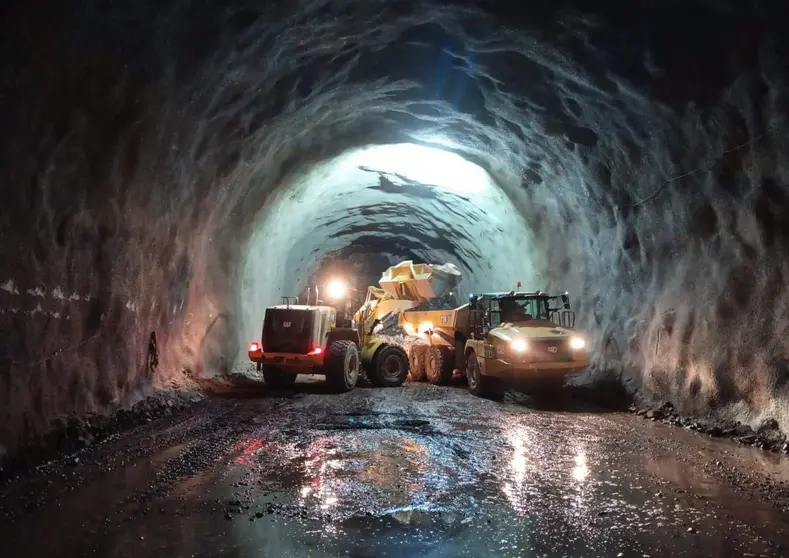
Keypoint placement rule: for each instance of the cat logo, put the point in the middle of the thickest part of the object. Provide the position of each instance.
(285, 324)
(552, 349)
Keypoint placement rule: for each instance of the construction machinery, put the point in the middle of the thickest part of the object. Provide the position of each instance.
(302, 339)
(319, 338)
(512, 338)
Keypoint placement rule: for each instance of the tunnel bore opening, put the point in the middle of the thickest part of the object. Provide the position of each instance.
(412, 199)
(610, 151)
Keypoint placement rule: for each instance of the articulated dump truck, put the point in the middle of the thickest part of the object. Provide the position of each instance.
(497, 339)
(305, 338)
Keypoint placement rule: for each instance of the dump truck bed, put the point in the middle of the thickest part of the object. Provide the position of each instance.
(419, 282)
(444, 322)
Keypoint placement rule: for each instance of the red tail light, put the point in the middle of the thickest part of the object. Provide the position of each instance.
(254, 347)
(316, 351)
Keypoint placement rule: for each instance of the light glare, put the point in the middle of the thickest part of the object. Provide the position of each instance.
(519, 345)
(336, 289)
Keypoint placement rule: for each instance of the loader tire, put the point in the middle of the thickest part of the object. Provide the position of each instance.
(277, 379)
(390, 367)
(417, 354)
(341, 366)
(439, 365)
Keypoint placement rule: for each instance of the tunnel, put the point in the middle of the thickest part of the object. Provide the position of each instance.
(172, 168)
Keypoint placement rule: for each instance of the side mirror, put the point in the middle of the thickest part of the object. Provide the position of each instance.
(566, 300)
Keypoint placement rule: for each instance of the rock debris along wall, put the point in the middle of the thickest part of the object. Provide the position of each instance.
(147, 151)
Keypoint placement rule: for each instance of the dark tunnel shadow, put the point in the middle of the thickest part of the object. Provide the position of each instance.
(600, 398)
(409, 187)
(244, 388)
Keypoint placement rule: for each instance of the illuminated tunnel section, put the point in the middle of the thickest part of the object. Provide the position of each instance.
(394, 200)
(173, 168)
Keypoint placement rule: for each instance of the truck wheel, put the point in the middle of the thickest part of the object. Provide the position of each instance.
(277, 379)
(478, 384)
(390, 368)
(417, 353)
(439, 365)
(341, 365)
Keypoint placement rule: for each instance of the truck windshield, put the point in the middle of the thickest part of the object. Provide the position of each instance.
(522, 309)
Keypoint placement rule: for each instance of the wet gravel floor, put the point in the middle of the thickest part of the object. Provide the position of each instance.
(412, 471)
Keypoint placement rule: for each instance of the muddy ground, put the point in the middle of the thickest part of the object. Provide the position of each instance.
(412, 471)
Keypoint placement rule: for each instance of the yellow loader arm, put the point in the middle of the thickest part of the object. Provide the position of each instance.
(402, 287)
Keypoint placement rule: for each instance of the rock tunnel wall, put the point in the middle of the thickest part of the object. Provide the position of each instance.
(645, 151)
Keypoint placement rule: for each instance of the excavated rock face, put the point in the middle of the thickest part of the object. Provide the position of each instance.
(174, 168)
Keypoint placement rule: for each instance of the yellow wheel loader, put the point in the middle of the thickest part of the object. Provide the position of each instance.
(305, 339)
(498, 339)
(402, 287)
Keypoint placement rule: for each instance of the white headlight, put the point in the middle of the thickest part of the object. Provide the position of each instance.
(577, 343)
(519, 345)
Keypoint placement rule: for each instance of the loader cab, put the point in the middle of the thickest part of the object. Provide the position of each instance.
(345, 312)
(488, 311)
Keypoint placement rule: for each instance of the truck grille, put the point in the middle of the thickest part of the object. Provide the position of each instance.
(546, 350)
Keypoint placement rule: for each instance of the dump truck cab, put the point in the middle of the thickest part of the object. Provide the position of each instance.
(522, 339)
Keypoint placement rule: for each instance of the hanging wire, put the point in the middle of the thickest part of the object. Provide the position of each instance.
(708, 166)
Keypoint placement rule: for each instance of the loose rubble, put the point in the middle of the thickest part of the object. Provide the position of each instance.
(767, 437)
(70, 434)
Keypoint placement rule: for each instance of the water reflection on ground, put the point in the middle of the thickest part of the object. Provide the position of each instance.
(413, 472)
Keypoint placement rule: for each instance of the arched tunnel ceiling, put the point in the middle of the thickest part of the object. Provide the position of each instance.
(639, 146)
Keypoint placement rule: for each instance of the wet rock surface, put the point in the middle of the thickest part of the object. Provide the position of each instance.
(410, 471)
(767, 436)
